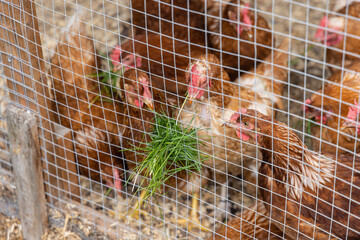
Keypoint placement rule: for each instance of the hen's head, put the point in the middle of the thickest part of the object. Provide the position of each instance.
(316, 109)
(327, 31)
(124, 61)
(352, 118)
(137, 88)
(246, 124)
(239, 15)
(200, 73)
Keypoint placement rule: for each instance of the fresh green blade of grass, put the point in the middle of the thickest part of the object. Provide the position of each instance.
(108, 191)
(309, 125)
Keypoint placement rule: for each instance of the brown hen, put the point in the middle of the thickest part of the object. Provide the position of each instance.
(216, 99)
(309, 196)
(325, 107)
(232, 33)
(93, 127)
(331, 32)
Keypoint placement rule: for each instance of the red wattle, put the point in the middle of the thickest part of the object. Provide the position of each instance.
(242, 136)
(117, 179)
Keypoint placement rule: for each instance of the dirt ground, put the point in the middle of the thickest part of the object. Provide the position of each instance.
(108, 22)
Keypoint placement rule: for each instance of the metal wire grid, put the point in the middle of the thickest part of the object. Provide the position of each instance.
(305, 75)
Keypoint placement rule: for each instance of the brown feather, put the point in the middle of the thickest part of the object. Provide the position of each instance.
(74, 59)
(98, 142)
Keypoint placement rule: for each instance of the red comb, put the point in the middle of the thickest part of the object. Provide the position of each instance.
(195, 74)
(307, 101)
(115, 55)
(353, 112)
(245, 10)
(234, 117)
(194, 69)
(320, 33)
(243, 110)
(323, 21)
(245, 13)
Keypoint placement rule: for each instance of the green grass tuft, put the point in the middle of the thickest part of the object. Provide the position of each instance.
(172, 149)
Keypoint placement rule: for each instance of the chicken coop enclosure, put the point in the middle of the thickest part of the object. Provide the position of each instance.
(180, 119)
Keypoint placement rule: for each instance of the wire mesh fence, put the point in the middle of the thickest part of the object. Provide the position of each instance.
(146, 114)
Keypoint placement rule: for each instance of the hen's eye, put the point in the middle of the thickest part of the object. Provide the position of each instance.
(246, 123)
(238, 120)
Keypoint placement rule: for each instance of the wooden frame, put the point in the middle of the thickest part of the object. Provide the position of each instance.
(26, 161)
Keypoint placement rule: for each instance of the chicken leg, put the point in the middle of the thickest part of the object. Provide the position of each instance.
(193, 220)
(135, 211)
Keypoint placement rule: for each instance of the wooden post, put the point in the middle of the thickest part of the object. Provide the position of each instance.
(26, 161)
(21, 51)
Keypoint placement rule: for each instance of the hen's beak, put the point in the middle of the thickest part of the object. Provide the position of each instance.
(191, 97)
(228, 124)
(191, 94)
(190, 101)
(149, 103)
(347, 125)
